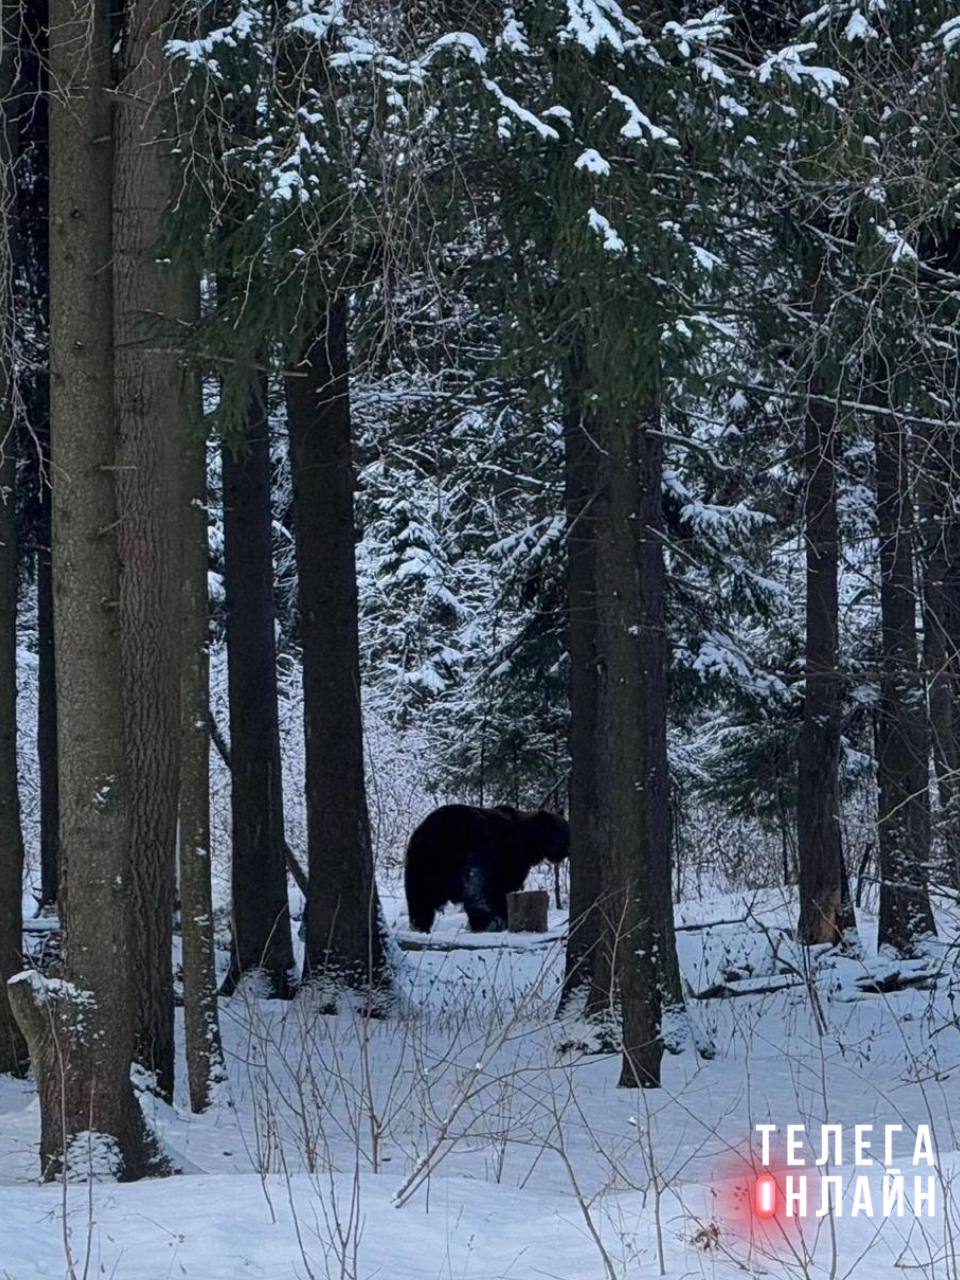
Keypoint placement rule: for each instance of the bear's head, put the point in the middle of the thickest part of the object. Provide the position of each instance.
(547, 836)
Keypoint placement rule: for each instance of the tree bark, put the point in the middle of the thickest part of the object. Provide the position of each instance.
(345, 943)
(940, 530)
(12, 1046)
(205, 1065)
(825, 911)
(13, 1057)
(631, 728)
(47, 701)
(147, 407)
(589, 958)
(81, 1031)
(903, 746)
(261, 915)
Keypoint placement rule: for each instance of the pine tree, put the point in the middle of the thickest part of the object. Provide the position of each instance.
(12, 1048)
(259, 906)
(903, 751)
(87, 1019)
(204, 1052)
(588, 960)
(825, 913)
(344, 945)
(147, 473)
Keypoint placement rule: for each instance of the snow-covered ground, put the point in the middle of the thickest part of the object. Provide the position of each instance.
(465, 1138)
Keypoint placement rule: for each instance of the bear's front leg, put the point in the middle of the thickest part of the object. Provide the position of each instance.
(486, 915)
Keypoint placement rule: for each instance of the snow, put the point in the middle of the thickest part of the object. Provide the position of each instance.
(509, 1150)
(901, 249)
(704, 258)
(714, 25)
(320, 24)
(858, 28)
(512, 37)
(824, 81)
(611, 240)
(526, 117)
(197, 52)
(594, 22)
(949, 33)
(593, 162)
(639, 125)
(460, 41)
(92, 1156)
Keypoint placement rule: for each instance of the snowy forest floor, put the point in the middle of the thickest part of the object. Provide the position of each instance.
(463, 1138)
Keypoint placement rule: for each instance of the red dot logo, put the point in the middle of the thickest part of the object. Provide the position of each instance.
(765, 1196)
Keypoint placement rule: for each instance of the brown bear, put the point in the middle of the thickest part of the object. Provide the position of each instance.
(463, 854)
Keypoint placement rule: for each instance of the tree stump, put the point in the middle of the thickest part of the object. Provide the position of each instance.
(527, 911)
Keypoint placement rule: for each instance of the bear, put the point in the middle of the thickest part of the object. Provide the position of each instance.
(464, 854)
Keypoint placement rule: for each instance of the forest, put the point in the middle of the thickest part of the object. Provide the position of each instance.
(546, 407)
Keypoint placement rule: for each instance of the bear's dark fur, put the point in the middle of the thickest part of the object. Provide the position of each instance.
(461, 853)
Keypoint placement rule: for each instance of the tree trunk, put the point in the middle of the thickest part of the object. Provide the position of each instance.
(148, 427)
(940, 529)
(12, 1046)
(261, 915)
(345, 944)
(80, 1032)
(205, 1066)
(825, 913)
(47, 702)
(589, 959)
(632, 783)
(902, 739)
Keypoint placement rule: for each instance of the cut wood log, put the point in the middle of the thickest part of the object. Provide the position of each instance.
(527, 911)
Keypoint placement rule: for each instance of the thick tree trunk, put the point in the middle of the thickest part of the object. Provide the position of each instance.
(205, 1066)
(630, 741)
(80, 1032)
(345, 944)
(147, 406)
(902, 739)
(589, 959)
(12, 1046)
(825, 913)
(940, 528)
(261, 915)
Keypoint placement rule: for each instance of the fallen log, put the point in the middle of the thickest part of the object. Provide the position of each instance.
(767, 986)
(406, 943)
